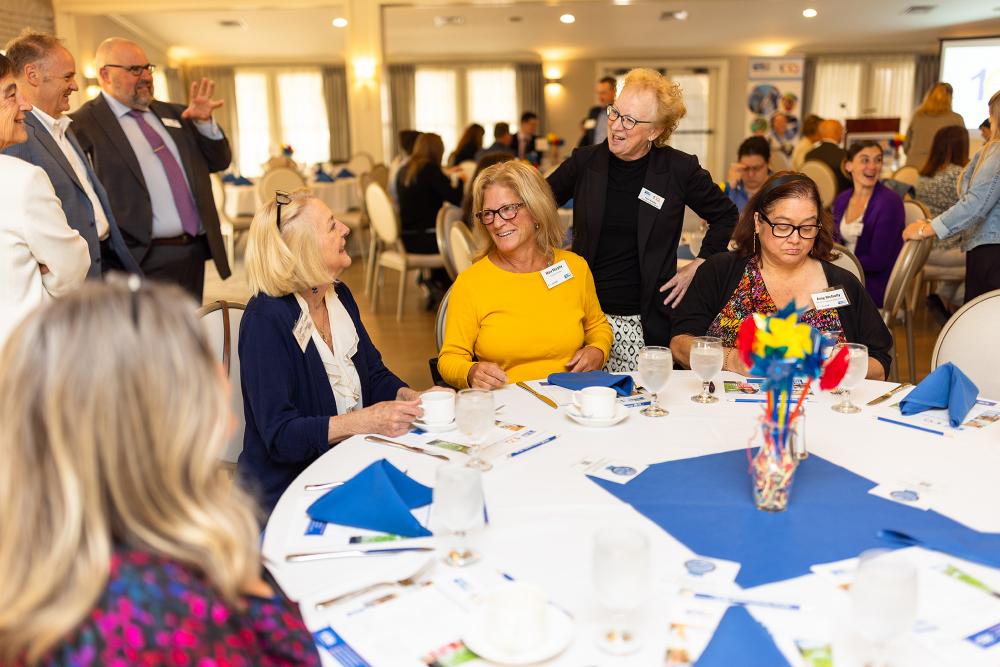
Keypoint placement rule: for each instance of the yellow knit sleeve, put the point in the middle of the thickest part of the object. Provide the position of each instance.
(596, 330)
(460, 332)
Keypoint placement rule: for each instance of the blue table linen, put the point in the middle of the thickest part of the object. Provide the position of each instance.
(623, 384)
(741, 640)
(946, 387)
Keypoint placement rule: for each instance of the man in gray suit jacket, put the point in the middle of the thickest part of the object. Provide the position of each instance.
(46, 75)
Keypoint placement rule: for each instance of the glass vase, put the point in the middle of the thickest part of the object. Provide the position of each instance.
(773, 466)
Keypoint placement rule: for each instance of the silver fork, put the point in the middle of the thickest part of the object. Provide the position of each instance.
(405, 582)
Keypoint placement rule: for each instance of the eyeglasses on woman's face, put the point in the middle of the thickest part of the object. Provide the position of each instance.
(783, 230)
(628, 122)
(506, 212)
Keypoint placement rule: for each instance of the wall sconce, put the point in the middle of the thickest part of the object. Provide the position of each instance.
(553, 75)
(364, 70)
(557, 81)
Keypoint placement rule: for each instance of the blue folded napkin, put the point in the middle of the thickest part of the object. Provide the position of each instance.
(378, 498)
(345, 173)
(323, 177)
(228, 178)
(242, 180)
(961, 542)
(741, 640)
(623, 384)
(946, 387)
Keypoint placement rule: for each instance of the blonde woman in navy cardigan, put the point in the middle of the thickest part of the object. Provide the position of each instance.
(311, 376)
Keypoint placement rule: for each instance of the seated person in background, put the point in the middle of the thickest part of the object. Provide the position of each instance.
(869, 217)
(487, 160)
(749, 172)
(407, 138)
(127, 544)
(829, 151)
(984, 130)
(469, 145)
(505, 324)
(311, 375)
(778, 137)
(808, 140)
(783, 252)
(503, 141)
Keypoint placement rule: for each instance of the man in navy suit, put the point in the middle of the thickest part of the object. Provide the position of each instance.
(596, 125)
(155, 159)
(46, 75)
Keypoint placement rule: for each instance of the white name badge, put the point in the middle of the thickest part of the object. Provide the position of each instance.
(651, 198)
(556, 274)
(303, 331)
(589, 124)
(170, 122)
(831, 298)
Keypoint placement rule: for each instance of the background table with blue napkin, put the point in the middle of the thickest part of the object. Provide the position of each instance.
(345, 173)
(707, 503)
(946, 387)
(323, 177)
(623, 384)
(378, 498)
(741, 640)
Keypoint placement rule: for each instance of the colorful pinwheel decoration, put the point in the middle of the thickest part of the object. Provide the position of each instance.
(781, 349)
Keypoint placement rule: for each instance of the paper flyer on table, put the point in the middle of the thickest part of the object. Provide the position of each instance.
(984, 414)
(561, 395)
(749, 390)
(506, 439)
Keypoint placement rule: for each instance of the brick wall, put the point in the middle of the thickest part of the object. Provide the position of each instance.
(15, 15)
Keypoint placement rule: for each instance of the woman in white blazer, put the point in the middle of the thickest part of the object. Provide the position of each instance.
(41, 256)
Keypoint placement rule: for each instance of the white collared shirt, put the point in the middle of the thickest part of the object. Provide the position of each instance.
(340, 370)
(57, 127)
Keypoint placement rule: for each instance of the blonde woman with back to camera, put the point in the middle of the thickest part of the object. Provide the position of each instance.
(121, 543)
(311, 375)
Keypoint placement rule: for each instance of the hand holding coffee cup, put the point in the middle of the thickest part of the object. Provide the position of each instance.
(438, 407)
(596, 402)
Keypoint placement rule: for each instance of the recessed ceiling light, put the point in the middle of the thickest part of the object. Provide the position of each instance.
(681, 15)
(809, 13)
(232, 23)
(567, 18)
(445, 21)
(339, 22)
(515, 19)
(674, 15)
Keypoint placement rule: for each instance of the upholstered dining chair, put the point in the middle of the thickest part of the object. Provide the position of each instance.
(900, 297)
(222, 322)
(962, 342)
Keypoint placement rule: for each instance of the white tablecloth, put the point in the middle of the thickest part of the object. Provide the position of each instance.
(240, 200)
(340, 195)
(543, 512)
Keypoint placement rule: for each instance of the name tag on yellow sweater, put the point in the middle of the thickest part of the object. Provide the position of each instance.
(556, 274)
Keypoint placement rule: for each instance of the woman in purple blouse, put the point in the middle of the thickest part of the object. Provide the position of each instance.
(869, 217)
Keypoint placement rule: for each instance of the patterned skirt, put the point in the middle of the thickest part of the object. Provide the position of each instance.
(624, 356)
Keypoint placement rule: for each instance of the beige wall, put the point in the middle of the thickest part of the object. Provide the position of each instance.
(91, 30)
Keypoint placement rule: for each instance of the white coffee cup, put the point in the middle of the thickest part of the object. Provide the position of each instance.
(439, 407)
(596, 402)
(516, 617)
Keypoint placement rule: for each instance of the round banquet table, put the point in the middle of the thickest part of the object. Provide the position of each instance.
(240, 200)
(543, 511)
(341, 195)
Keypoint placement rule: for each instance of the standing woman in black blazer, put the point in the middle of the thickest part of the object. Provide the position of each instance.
(628, 197)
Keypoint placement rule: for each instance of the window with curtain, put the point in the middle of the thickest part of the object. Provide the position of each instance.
(491, 97)
(837, 88)
(435, 93)
(161, 87)
(253, 120)
(856, 86)
(304, 124)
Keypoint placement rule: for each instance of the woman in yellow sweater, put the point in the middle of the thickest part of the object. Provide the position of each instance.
(526, 308)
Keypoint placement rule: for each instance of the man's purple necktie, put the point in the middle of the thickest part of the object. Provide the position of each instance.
(184, 200)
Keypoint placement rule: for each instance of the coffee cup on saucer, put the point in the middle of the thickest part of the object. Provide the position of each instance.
(516, 617)
(438, 406)
(596, 402)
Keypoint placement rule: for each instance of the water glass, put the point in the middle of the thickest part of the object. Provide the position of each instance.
(857, 370)
(706, 362)
(474, 415)
(458, 508)
(621, 570)
(655, 365)
(883, 600)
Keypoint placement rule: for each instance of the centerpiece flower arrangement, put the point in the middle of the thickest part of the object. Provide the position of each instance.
(779, 348)
(287, 150)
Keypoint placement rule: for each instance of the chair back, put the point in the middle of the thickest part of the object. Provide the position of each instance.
(915, 210)
(360, 162)
(218, 194)
(905, 272)
(908, 174)
(848, 260)
(461, 246)
(441, 317)
(961, 343)
(381, 215)
(825, 179)
(222, 323)
(779, 161)
(380, 174)
(281, 178)
(441, 228)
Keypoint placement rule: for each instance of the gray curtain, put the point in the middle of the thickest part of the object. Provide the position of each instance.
(402, 99)
(175, 89)
(808, 79)
(925, 76)
(335, 92)
(531, 90)
(225, 90)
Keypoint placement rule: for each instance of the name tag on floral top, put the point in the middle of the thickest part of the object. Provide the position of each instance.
(651, 198)
(835, 297)
(303, 331)
(556, 274)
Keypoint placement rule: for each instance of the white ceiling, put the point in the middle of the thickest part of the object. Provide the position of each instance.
(602, 27)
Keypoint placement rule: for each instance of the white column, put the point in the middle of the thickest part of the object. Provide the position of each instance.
(363, 61)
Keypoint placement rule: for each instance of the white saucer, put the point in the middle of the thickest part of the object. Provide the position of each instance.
(621, 412)
(434, 427)
(558, 637)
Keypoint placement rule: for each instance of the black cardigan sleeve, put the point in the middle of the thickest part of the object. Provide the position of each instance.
(710, 289)
(563, 179)
(861, 320)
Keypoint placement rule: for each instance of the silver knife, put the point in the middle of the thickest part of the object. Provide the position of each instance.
(352, 553)
(416, 450)
(322, 486)
(887, 395)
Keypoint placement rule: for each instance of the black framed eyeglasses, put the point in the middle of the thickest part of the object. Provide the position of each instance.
(628, 122)
(783, 230)
(281, 198)
(506, 212)
(136, 70)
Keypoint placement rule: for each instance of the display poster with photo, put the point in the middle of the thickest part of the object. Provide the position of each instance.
(774, 90)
